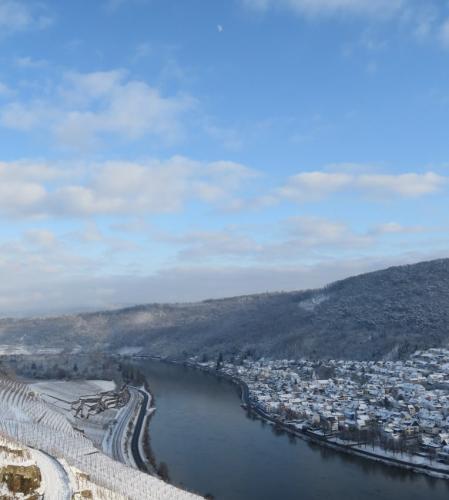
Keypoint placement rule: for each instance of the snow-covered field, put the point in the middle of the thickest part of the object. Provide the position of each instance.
(71, 390)
(129, 351)
(6, 349)
(60, 394)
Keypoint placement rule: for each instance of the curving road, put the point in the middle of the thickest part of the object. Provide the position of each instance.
(138, 402)
(54, 476)
(138, 431)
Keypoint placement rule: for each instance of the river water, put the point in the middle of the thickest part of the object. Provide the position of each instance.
(212, 446)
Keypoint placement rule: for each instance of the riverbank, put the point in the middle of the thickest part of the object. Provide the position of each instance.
(377, 454)
(381, 455)
(144, 442)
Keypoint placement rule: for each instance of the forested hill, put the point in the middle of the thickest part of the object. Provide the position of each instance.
(385, 314)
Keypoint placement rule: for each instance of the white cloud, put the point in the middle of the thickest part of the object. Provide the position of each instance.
(43, 271)
(18, 15)
(204, 245)
(444, 34)
(311, 186)
(22, 187)
(166, 186)
(314, 185)
(48, 258)
(314, 232)
(426, 21)
(88, 106)
(300, 237)
(27, 62)
(40, 238)
(5, 91)
(114, 5)
(396, 228)
(423, 20)
(408, 185)
(117, 187)
(18, 116)
(27, 290)
(379, 8)
(14, 15)
(312, 237)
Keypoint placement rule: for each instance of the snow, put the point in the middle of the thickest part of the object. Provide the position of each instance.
(312, 303)
(116, 443)
(55, 480)
(72, 390)
(104, 385)
(29, 421)
(129, 351)
(60, 394)
(149, 412)
(6, 349)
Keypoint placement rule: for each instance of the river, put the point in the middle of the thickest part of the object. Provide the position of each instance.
(211, 446)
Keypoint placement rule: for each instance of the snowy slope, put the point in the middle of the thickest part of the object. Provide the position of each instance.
(28, 420)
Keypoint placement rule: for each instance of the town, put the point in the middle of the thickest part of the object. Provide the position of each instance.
(394, 408)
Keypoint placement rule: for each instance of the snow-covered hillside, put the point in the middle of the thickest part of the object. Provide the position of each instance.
(64, 395)
(26, 472)
(64, 456)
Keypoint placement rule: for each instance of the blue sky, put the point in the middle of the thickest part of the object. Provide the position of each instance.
(159, 150)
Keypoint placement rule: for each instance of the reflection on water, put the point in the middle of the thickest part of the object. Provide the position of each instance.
(211, 445)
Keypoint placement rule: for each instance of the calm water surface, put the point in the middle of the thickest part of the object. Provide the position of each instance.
(212, 446)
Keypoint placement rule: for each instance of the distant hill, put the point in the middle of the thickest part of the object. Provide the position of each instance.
(384, 314)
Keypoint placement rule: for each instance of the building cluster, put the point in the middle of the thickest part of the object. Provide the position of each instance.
(98, 403)
(398, 405)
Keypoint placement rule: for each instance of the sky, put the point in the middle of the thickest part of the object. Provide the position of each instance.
(167, 150)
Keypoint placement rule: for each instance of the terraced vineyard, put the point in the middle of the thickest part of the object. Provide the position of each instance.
(26, 419)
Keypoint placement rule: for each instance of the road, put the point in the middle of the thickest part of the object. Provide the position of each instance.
(138, 401)
(138, 431)
(118, 438)
(54, 476)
